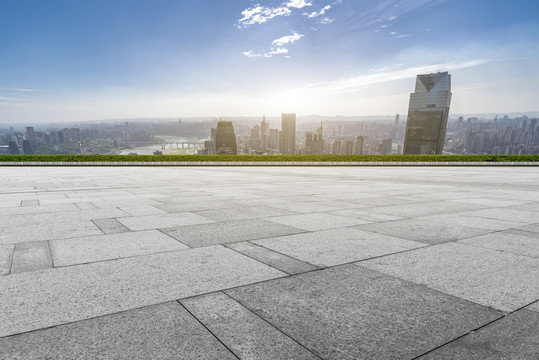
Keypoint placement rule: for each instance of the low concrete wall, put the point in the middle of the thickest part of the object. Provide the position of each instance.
(268, 163)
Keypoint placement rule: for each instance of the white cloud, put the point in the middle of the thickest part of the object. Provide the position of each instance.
(298, 4)
(272, 52)
(287, 39)
(322, 11)
(354, 83)
(261, 14)
(20, 90)
(326, 21)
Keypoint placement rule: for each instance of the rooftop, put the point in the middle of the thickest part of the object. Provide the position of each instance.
(269, 262)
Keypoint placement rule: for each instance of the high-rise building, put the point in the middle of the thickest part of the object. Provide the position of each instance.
(274, 137)
(225, 139)
(314, 142)
(288, 134)
(359, 145)
(264, 134)
(427, 114)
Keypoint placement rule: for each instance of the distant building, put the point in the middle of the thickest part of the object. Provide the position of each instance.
(427, 114)
(13, 148)
(386, 147)
(359, 145)
(314, 142)
(274, 139)
(264, 135)
(288, 134)
(225, 139)
(27, 147)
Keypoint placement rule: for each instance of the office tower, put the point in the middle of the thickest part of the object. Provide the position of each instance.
(288, 134)
(314, 142)
(225, 139)
(13, 148)
(397, 118)
(264, 134)
(359, 145)
(31, 135)
(386, 146)
(255, 139)
(427, 114)
(349, 147)
(274, 138)
(27, 147)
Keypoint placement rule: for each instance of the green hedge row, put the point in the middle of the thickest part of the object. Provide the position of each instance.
(190, 158)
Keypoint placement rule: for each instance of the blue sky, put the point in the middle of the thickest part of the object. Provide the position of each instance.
(82, 60)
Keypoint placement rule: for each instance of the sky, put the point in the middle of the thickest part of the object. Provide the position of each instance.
(78, 60)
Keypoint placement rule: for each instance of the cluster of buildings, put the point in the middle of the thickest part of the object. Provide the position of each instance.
(504, 136)
(16, 142)
(425, 130)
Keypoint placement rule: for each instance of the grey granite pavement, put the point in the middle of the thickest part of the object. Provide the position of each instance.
(269, 262)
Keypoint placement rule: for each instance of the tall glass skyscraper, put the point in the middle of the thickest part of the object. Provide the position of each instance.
(288, 134)
(225, 138)
(427, 114)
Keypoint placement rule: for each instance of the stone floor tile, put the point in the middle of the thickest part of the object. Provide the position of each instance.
(110, 226)
(165, 331)
(295, 206)
(365, 215)
(142, 210)
(243, 332)
(316, 221)
(39, 232)
(162, 221)
(31, 301)
(515, 336)
(350, 312)
(516, 244)
(228, 232)
(274, 259)
(86, 205)
(106, 247)
(530, 228)
(176, 207)
(423, 231)
(31, 256)
(243, 212)
(528, 217)
(534, 206)
(23, 210)
(6, 256)
(30, 203)
(337, 246)
(107, 203)
(499, 280)
(424, 209)
(471, 221)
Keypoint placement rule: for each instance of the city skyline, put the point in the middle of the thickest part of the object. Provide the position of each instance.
(67, 61)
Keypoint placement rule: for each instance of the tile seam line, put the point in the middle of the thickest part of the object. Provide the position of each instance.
(262, 262)
(459, 337)
(270, 324)
(208, 330)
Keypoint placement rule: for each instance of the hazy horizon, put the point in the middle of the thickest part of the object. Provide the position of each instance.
(66, 61)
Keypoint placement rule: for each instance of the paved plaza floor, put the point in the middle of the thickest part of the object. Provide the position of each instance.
(269, 263)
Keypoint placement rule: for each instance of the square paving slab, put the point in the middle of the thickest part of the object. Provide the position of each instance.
(106, 247)
(162, 221)
(424, 231)
(316, 221)
(230, 231)
(337, 246)
(488, 277)
(513, 243)
(516, 336)
(165, 331)
(6, 254)
(350, 312)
